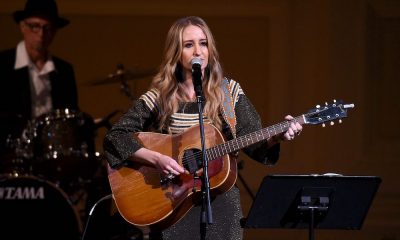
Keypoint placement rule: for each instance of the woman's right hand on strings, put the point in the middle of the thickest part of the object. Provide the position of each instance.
(163, 163)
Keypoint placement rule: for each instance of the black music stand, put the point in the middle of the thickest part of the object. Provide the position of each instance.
(328, 201)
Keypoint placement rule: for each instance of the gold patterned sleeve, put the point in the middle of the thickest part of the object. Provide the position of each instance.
(248, 121)
(119, 143)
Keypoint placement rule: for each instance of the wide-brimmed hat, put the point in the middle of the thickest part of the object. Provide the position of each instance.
(41, 8)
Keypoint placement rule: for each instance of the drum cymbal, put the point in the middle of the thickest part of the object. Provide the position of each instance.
(123, 75)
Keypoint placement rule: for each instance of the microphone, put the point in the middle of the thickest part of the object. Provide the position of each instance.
(197, 75)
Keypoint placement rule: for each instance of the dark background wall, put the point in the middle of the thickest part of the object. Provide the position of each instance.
(288, 55)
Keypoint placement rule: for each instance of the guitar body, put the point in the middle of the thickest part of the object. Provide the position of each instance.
(148, 201)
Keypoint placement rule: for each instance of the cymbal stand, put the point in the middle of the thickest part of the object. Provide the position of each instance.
(125, 89)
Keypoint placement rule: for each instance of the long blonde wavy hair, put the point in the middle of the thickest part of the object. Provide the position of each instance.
(169, 80)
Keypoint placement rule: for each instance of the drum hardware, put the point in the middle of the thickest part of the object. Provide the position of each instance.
(105, 122)
(124, 87)
(122, 73)
(122, 76)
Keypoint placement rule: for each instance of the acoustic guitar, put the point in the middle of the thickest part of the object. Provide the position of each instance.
(147, 199)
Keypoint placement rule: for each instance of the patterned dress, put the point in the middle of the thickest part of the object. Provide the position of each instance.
(226, 210)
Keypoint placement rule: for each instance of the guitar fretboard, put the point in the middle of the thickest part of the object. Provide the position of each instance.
(251, 138)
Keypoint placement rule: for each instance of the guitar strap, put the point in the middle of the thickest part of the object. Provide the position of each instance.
(228, 110)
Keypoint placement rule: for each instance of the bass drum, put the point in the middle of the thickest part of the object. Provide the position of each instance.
(33, 208)
(64, 146)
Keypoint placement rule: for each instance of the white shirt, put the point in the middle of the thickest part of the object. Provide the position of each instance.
(39, 81)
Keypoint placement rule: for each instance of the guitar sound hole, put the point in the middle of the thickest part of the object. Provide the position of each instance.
(192, 160)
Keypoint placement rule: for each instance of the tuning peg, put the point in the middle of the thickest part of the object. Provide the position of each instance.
(318, 106)
(340, 121)
(332, 123)
(326, 103)
(323, 125)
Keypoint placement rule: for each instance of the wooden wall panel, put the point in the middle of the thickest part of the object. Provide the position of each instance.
(381, 143)
(288, 57)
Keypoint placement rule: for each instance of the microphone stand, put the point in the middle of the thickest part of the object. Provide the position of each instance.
(206, 211)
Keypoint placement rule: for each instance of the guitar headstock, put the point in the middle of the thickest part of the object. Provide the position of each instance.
(328, 113)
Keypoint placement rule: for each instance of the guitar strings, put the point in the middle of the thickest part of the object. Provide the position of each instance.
(242, 141)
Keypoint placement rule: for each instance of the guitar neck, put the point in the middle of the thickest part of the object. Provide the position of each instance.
(251, 138)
